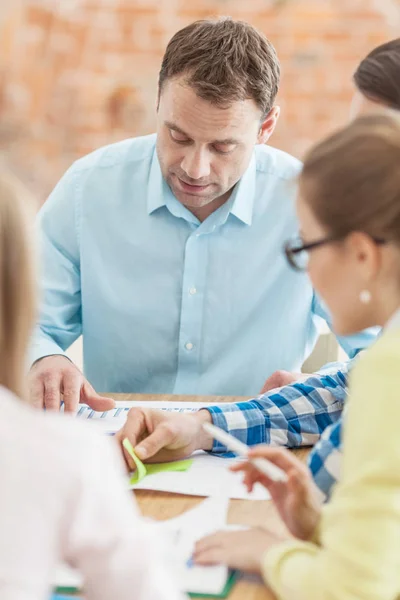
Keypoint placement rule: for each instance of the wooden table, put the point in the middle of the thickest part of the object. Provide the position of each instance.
(161, 505)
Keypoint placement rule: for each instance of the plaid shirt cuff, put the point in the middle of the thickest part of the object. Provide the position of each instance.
(242, 420)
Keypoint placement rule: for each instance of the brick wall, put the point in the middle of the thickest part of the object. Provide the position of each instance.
(76, 74)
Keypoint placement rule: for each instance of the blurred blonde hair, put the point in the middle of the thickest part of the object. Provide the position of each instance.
(17, 282)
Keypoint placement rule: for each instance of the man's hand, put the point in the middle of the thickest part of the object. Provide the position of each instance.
(54, 379)
(164, 436)
(281, 378)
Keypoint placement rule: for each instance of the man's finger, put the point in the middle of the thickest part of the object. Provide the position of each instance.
(128, 459)
(71, 392)
(135, 427)
(162, 436)
(94, 400)
(52, 394)
(36, 393)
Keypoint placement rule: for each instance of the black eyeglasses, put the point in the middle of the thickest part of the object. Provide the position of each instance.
(297, 253)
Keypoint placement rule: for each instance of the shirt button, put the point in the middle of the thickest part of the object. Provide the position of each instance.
(192, 291)
(189, 346)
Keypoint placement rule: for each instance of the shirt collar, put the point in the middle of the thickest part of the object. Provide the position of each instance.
(243, 194)
(156, 192)
(159, 194)
(241, 202)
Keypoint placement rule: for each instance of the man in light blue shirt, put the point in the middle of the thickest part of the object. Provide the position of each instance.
(165, 252)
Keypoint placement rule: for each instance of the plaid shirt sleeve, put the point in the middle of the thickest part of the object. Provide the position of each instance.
(294, 415)
(325, 459)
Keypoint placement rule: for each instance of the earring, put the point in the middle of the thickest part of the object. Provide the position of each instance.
(365, 296)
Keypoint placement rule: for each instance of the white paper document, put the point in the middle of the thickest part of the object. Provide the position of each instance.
(67, 578)
(209, 475)
(181, 535)
(178, 537)
(112, 420)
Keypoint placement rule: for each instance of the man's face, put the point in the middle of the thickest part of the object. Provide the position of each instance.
(203, 149)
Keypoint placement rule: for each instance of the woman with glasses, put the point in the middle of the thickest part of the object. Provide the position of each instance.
(349, 212)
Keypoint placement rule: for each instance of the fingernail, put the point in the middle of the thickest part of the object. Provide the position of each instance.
(141, 452)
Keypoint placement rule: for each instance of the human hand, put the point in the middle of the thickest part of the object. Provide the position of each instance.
(163, 436)
(282, 378)
(297, 500)
(55, 379)
(243, 550)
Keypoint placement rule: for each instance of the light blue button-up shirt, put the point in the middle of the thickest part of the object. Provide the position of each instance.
(166, 303)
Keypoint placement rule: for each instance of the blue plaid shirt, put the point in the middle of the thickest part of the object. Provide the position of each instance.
(307, 413)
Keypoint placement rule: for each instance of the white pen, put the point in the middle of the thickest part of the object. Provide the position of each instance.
(262, 464)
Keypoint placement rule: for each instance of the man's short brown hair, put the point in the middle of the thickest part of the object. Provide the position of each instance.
(224, 61)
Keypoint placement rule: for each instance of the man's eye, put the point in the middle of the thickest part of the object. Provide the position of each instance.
(224, 148)
(178, 137)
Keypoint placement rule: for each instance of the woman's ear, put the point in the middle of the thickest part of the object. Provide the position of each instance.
(366, 253)
(268, 125)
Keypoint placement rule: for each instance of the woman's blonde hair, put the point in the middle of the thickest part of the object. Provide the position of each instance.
(351, 180)
(17, 282)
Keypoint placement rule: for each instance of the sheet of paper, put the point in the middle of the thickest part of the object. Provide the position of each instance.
(209, 475)
(181, 534)
(112, 420)
(178, 536)
(67, 579)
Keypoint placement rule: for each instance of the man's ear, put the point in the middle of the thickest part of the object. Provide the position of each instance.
(268, 125)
